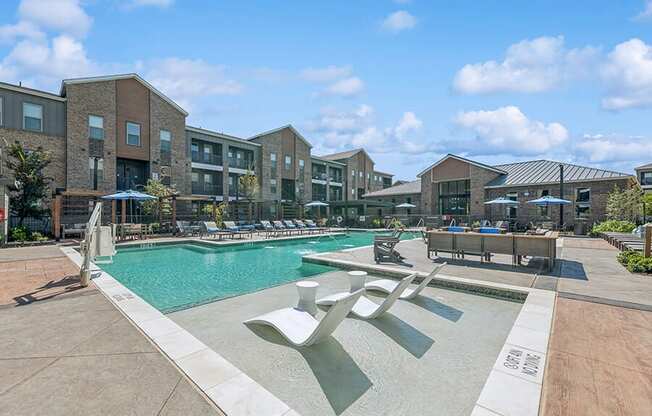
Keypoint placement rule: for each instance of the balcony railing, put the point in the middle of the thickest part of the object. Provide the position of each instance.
(320, 176)
(206, 189)
(337, 179)
(209, 158)
(319, 197)
(241, 163)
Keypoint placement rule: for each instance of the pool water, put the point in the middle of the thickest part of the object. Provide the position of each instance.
(177, 276)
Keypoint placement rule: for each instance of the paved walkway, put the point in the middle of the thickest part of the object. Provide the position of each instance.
(75, 354)
(598, 361)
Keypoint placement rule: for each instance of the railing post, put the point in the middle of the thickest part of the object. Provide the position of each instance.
(648, 240)
(174, 214)
(56, 216)
(123, 214)
(114, 205)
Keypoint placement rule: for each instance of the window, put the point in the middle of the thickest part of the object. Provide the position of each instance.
(544, 210)
(1, 111)
(511, 210)
(353, 192)
(646, 177)
(166, 141)
(360, 174)
(96, 127)
(195, 177)
(302, 165)
(454, 197)
(272, 158)
(582, 210)
(32, 117)
(288, 162)
(583, 195)
(272, 186)
(96, 171)
(133, 134)
(353, 173)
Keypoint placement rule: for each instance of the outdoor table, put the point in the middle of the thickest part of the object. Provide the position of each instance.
(307, 292)
(357, 279)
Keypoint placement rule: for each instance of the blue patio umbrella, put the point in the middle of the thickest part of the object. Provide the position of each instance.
(547, 200)
(502, 201)
(129, 195)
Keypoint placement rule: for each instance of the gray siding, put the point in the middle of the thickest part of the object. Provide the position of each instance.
(54, 112)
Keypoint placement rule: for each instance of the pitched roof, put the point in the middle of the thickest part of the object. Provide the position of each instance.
(383, 173)
(648, 166)
(31, 91)
(345, 155)
(118, 77)
(287, 126)
(413, 187)
(220, 135)
(321, 159)
(462, 159)
(540, 172)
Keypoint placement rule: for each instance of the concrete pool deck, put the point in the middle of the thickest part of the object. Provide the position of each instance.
(440, 346)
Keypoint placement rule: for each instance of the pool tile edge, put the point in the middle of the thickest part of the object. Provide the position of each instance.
(180, 346)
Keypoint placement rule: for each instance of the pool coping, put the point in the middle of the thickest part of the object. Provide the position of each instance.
(229, 388)
(515, 383)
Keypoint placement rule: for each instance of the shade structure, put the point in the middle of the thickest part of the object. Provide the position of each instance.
(549, 200)
(129, 195)
(316, 204)
(406, 205)
(502, 201)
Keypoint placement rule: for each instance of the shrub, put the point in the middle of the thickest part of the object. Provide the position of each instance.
(19, 233)
(613, 226)
(377, 223)
(635, 262)
(36, 236)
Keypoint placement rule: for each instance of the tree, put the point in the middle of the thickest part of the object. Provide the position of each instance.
(250, 188)
(216, 212)
(624, 204)
(32, 184)
(161, 205)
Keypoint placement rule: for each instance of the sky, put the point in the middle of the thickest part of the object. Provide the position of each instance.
(408, 80)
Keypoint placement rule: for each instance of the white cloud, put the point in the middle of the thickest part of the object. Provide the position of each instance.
(145, 3)
(346, 87)
(613, 148)
(529, 66)
(186, 79)
(399, 21)
(326, 74)
(10, 33)
(646, 13)
(507, 130)
(409, 123)
(628, 76)
(65, 16)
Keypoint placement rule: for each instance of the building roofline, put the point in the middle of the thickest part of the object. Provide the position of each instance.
(521, 185)
(326, 160)
(287, 126)
(355, 152)
(115, 77)
(32, 91)
(221, 135)
(646, 166)
(461, 159)
(389, 192)
(383, 173)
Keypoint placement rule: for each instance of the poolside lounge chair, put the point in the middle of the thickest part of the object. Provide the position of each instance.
(235, 230)
(209, 228)
(311, 224)
(300, 328)
(365, 308)
(267, 228)
(302, 226)
(384, 249)
(291, 227)
(280, 228)
(389, 285)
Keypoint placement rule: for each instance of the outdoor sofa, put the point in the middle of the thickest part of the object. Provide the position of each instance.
(72, 229)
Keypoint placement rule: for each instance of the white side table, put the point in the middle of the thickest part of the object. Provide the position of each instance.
(307, 293)
(357, 279)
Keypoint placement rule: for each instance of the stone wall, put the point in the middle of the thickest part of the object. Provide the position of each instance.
(164, 116)
(55, 146)
(479, 177)
(98, 99)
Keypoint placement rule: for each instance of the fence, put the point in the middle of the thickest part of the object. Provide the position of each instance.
(41, 225)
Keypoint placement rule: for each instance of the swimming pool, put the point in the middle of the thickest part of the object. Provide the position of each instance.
(177, 276)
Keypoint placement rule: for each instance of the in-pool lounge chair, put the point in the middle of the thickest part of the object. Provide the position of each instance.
(300, 328)
(389, 285)
(365, 308)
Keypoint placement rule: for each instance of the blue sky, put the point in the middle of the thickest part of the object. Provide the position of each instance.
(410, 81)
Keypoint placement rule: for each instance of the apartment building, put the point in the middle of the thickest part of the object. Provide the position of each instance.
(456, 187)
(644, 177)
(113, 133)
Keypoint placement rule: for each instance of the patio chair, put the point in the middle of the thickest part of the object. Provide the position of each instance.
(365, 308)
(291, 227)
(268, 228)
(300, 328)
(235, 230)
(280, 228)
(389, 285)
(302, 226)
(72, 229)
(384, 250)
(311, 224)
(209, 228)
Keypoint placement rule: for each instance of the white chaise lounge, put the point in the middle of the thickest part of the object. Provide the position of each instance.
(388, 285)
(300, 328)
(365, 308)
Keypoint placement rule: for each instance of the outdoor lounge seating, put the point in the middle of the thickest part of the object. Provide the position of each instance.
(281, 228)
(235, 230)
(486, 245)
(300, 328)
(209, 228)
(291, 226)
(311, 224)
(365, 308)
(389, 285)
(72, 229)
(267, 228)
(384, 249)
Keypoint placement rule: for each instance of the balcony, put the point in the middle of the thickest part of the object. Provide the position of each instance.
(206, 189)
(208, 158)
(241, 163)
